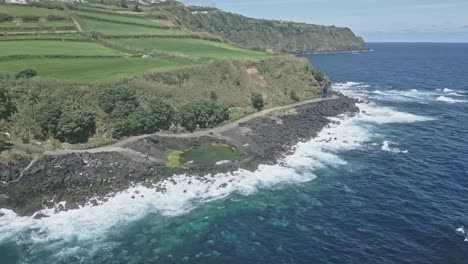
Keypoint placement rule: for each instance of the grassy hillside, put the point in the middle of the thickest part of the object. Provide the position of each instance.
(263, 34)
(87, 73)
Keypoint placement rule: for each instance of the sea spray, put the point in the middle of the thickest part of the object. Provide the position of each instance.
(182, 193)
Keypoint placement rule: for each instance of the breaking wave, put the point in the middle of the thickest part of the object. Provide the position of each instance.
(182, 193)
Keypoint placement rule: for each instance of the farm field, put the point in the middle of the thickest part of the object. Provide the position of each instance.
(194, 47)
(117, 18)
(53, 47)
(22, 10)
(107, 46)
(90, 69)
(118, 29)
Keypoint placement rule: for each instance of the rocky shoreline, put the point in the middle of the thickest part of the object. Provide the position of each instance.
(28, 186)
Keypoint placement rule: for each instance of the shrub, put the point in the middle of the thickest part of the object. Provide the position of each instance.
(118, 102)
(26, 74)
(319, 76)
(55, 18)
(257, 101)
(75, 126)
(213, 96)
(30, 18)
(47, 4)
(7, 108)
(124, 4)
(136, 9)
(293, 95)
(24, 124)
(4, 17)
(2, 141)
(202, 113)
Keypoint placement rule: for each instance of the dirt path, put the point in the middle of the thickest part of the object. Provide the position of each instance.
(77, 25)
(120, 145)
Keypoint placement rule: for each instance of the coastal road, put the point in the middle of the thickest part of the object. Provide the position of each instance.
(120, 145)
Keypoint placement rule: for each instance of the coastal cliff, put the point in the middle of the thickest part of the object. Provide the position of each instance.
(262, 34)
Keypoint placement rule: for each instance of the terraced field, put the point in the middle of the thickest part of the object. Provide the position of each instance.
(90, 69)
(97, 42)
(194, 47)
(53, 47)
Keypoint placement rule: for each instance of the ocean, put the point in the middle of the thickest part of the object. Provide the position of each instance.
(389, 185)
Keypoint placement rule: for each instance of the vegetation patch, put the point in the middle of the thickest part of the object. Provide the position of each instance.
(203, 156)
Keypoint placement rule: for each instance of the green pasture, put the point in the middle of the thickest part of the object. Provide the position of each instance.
(117, 29)
(193, 47)
(120, 19)
(22, 10)
(53, 47)
(89, 69)
(34, 25)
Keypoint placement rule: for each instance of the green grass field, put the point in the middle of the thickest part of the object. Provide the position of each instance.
(41, 37)
(21, 10)
(111, 21)
(53, 47)
(193, 47)
(118, 18)
(114, 29)
(90, 69)
(33, 25)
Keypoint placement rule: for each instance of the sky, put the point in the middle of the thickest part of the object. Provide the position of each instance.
(374, 20)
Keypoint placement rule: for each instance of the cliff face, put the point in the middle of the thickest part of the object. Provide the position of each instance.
(264, 34)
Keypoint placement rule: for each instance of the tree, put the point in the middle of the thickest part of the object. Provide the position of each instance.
(319, 76)
(26, 74)
(124, 4)
(48, 115)
(257, 101)
(202, 113)
(293, 95)
(7, 108)
(75, 126)
(136, 9)
(118, 102)
(161, 114)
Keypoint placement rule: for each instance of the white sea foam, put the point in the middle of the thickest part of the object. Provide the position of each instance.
(222, 162)
(386, 147)
(182, 193)
(461, 230)
(447, 90)
(450, 100)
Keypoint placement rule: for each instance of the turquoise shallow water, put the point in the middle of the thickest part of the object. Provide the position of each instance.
(393, 187)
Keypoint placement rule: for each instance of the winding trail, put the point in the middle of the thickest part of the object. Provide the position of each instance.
(119, 146)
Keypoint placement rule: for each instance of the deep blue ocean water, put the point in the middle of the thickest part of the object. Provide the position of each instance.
(392, 188)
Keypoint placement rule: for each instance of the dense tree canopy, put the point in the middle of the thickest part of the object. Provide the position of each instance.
(76, 126)
(118, 102)
(202, 113)
(48, 115)
(158, 116)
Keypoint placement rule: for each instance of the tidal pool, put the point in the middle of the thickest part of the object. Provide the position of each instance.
(203, 156)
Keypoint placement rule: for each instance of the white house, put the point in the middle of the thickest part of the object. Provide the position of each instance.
(21, 2)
